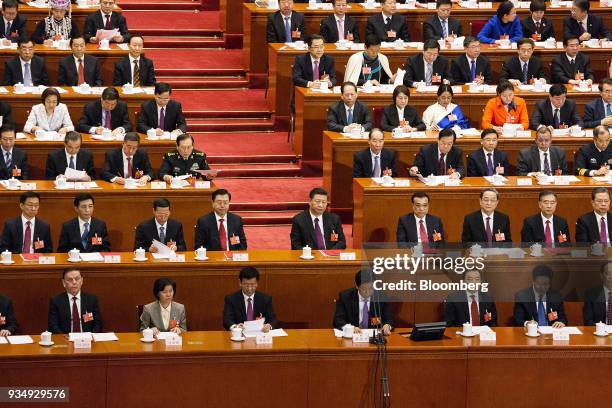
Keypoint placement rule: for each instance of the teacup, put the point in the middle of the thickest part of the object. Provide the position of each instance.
(417, 250)
(200, 253)
(342, 43)
(504, 43)
(19, 87)
(45, 337)
(476, 250)
(63, 44)
(151, 133)
(597, 248)
(104, 44)
(147, 334)
(347, 331)
(356, 131)
(237, 333)
(536, 249)
(73, 254)
(387, 179)
(107, 134)
(467, 329)
(442, 43)
(600, 329)
(575, 131)
(306, 252)
(299, 44)
(323, 85)
(139, 253)
(128, 87)
(532, 329)
(175, 182)
(397, 132)
(85, 87)
(7, 257)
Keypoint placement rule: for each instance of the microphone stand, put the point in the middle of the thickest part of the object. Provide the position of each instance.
(381, 342)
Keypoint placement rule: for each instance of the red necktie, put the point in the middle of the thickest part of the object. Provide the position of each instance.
(129, 159)
(107, 25)
(107, 120)
(76, 322)
(537, 27)
(441, 166)
(489, 233)
(27, 239)
(423, 233)
(81, 75)
(250, 312)
(474, 312)
(222, 235)
(548, 235)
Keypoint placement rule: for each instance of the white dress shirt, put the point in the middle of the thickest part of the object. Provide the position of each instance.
(165, 314)
(60, 118)
(217, 218)
(24, 226)
(78, 303)
(339, 20)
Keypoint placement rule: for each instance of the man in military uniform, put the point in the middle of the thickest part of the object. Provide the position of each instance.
(595, 158)
(184, 160)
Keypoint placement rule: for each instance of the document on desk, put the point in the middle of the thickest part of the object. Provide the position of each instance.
(253, 327)
(20, 339)
(165, 335)
(72, 174)
(551, 330)
(84, 335)
(163, 252)
(99, 337)
(91, 257)
(3, 340)
(106, 34)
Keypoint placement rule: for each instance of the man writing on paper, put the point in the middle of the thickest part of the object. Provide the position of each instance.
(106, 20)
(161, 228)
(108, 112)
(27, 234)
(85, 233)
(184, 160)
(248, 304)
(162, 114)
(441, 159)
(70, 157)
(128, 161)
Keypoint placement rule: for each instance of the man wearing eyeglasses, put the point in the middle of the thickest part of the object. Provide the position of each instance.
(599, 111)
(594, 226)
(487, 227)
(27, 234)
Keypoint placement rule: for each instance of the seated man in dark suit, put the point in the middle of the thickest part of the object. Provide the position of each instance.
(596, 300)
(286, 25)
(85, 233)
(26, 68)
(584, 25)
(127, 161)
(599, 111)
(442, 26)
(542, 158)
(594, 226)
(74, 311)
(539, 302)
(339, 26)
(135, 69)
(70, 156)
(316, 228)
(27, 234)
(106, 19)
(108, 112)
(400, 114)
(248, 303)
(388, 25)
(489, 160)
(374, 161)
(14, 161)
(161, 228)
(79, 68)
(473, 305)
(471, 66)
(220, 230)
(487, 227)
(361, 307)
(429, 67)
(162, 114)
(185, 160)
(419, 227)
(6, 114)
(571, 66)
(441, 158)
(349, 113)
(523, 67)
(556, 111)
(304, 66)
(536, 26)
(16, 23)
(8, 322)
(546, 228)
(595, 158)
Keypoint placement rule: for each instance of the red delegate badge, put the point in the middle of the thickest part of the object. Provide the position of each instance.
(96, 240)
(87, 317)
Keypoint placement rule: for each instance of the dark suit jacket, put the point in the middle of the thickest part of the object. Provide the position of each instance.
(95, 22)
(336, 116)
(432, 28)
(56, 163)
(377, 26)
(512, 68)
(39, 35)
(329, 28)
(362, 163)
(595, 26)
(6, 112)
(533, 230)
(207, 232)
(546, 28)
(6, 309)
(347, 310)
(457, 312)
(408, 235)
(543, 114)
(415, 69)
(19, 159)
(60, 314)
(275, 28)
(68, 75)
(234, 310)
(594, 112)
(302, 231)
(561, 71)
(302, 69)
(529, 160)
(113, 164)
(587, 230)
(12, 236)
(70, 236)
(390, 118)
(92, 117)
(474, 229)
(477, 163)
(18, 28)
(525, 307)
(462, 72)
(594, 306)
(147, 231)
(123, 72)
(13, 74)
(427, 160)
(173, 117)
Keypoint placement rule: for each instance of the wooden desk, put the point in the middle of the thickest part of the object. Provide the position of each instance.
(122, 209)
(453, 203)
(311, 113)
(254, 21)
(22, 103)
(79, 14)
(338, 154)
(280, 62)
(38, 151)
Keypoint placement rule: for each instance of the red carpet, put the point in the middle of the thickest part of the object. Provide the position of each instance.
(172, 21)
(277, 236)
(271, 192)
(198, 59)
(244, 144)
(231, 102)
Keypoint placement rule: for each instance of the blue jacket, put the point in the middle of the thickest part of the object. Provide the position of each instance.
(461, 121)
(494, 29)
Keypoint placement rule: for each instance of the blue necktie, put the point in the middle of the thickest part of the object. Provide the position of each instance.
(525, 72)
(542, 321)
(8, 30)
(473, 68)
(8, 161)
(162, 235)
(85, 234)
(71, 164)
(609, 109)
(556, 119)
(288, 29)
(27, 76)
(349, 116)
(444, 29)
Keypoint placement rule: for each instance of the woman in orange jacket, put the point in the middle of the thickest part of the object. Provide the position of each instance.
(505, 108)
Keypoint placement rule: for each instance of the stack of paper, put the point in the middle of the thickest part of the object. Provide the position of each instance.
(91, 257)
(163, 252)
(110, 336)
(20, 339)
(83, 335)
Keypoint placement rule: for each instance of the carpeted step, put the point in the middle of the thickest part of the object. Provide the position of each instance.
(191, 62)
(267, 217)
(230, 125)
(244, 103)
(167, 23)
(276, 193)
(150, 5)
(253, 147)
(184, 42)
(252, 159)
(205, 82)
(258, 169)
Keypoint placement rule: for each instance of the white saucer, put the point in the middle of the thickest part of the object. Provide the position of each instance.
(533, 337)
(601, 335)
(8, 263)
(307, 257)
(73, 261)
(140, 259)
(536, 256)
(466, 335)
(147, 341)
(46, 344)
(387, 185)
(238, 338)
(13, 188)
(200, 259)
